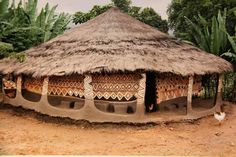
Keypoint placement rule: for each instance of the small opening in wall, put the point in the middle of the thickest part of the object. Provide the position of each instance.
(130, 110)
(31, 88)
(110, 108)
(9, 85)
(66, 102)
(72, 105)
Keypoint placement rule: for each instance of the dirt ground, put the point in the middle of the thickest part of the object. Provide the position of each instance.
(26, 132)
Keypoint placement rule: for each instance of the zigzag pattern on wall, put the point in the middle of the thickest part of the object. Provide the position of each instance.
(64, 86)
(115, 86)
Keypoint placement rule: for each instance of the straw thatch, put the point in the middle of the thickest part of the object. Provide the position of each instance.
(115, 41)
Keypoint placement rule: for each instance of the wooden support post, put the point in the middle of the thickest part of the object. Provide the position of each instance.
(190, 93)
(88, 88)
(45, 86)
(219, 100)
(141, 96)
(19, 84)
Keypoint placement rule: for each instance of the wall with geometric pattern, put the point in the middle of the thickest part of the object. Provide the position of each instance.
(66, 85)
(170, 86)
(58, 85)
(115, 86)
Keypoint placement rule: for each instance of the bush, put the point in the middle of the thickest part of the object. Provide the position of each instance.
(229, 90)
(5, 49)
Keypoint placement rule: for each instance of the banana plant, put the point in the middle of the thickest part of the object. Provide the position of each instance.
(23, 27)
(231, 55)
(51, 23)
(214, 38)
(46, 20)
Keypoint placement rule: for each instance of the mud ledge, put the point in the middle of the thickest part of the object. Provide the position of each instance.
(20, 111)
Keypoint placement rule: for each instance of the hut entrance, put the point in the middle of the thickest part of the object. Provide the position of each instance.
(151, 95)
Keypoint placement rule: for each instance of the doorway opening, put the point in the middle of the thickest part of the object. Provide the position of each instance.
(151, 93)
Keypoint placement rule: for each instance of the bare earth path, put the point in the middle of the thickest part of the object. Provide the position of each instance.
(25, 132)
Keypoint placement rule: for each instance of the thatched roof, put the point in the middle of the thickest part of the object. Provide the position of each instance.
(114, 41)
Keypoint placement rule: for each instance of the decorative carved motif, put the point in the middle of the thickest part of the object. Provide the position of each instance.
(115, 86)
(141, 90)
(63, 85)
(45, 86)
(88, 89)
(66, 85)
(19, 83)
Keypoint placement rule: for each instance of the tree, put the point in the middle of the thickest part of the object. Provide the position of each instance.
(22, 27)
(80, 17)
(150, 17)
(213, 37)
(147, 15)
(124, 5)
(51, 23)
(190, 8)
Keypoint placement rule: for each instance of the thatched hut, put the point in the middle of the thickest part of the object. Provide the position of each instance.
(112, 68)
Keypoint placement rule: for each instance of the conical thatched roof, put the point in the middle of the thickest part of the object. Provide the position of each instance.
(114, 41)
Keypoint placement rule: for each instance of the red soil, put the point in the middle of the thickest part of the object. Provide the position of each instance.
(26, 132)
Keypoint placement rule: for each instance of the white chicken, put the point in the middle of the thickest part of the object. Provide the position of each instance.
(220, 117)
(151, 107)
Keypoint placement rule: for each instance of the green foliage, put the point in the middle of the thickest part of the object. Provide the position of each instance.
(51, 24)
(134, 11)
(3, 6)
(214, 38)
(20, 57)
(147, 15)
(80, 17)
(150, 17)
(232, 42)
(229, 88)
(210, 37)
(5, 49)
(60, 25)
(124, 5)
(189, 8)
(22, 27)
(23, 38)
(231, 56)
